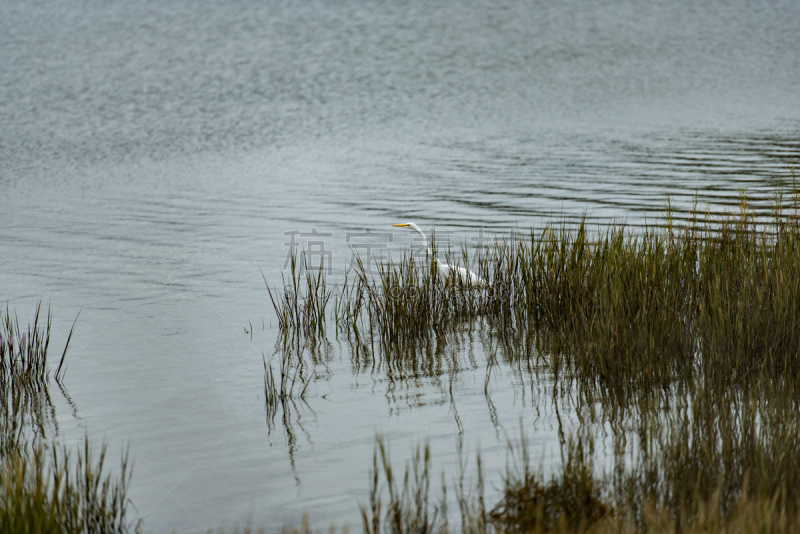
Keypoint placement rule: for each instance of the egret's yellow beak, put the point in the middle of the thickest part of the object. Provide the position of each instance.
(404, 224)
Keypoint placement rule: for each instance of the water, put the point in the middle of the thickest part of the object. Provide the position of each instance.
(154, 156)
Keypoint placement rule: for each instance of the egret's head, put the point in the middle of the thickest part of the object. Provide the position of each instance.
(410, 226)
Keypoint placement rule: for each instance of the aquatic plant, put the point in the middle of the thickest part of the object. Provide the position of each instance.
(410, 507)
(710, 469)
(25, 404)
(624, 306)
(305, 298)
(43, 491)
(680, 340)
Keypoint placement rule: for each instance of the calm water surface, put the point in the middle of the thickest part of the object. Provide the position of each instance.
(155, 156)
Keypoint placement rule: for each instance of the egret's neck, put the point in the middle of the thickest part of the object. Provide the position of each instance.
(425, 244)
(424, 239)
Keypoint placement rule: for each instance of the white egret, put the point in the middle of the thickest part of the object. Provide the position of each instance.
(448, 273)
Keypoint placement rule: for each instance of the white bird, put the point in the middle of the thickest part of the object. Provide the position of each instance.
(448, 273)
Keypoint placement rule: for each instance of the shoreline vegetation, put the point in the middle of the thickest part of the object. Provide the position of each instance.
(661, 291)
(678, 343)
(676, 346)
(45, 487)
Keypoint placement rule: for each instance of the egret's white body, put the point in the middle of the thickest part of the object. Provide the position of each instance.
(448, 273)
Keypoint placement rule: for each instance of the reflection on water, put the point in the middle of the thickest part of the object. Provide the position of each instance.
(27, 413)
(285, 390)
(697, 439)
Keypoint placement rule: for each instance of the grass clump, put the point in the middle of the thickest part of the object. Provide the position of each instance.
(43, 491)
(25, 406)
(708, 470)
(680, 342)
(571, 501)
(410, 508)
(624, 307)
(718, 452)
(305, 298)
(749, 305)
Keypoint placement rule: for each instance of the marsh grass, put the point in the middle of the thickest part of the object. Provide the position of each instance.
(682, 341)
(718, 462)
(628, 308)
(409, 506)
(44, 491)
(305, 298)
(42, 488)
(23, 352)
(717, 449)
(25, 405)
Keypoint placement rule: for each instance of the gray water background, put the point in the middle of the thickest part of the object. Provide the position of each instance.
(153, 155)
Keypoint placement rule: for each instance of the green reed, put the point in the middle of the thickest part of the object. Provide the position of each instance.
(680, 340)
(44, 491)
(619, 305)
(305, 298)
(41, 488)
(24, 377)
(23, 352)
(410, 507)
